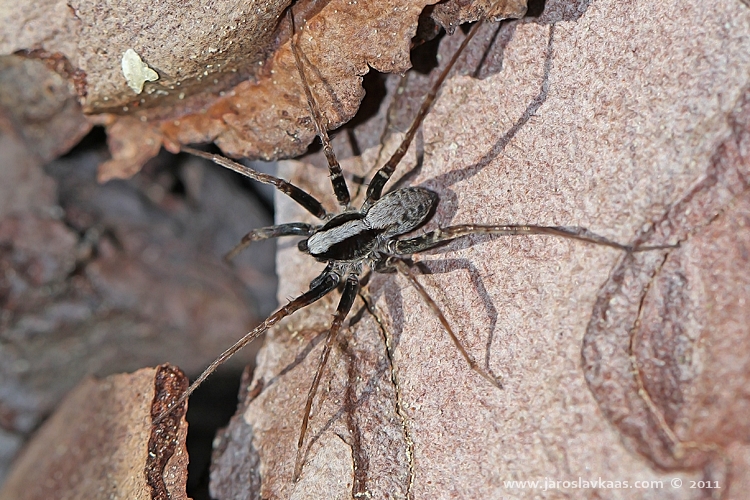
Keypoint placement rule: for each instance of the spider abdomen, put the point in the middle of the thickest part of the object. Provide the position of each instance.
(401, 211)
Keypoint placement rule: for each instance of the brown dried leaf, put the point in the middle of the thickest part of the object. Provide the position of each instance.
(131, 143)
(267, 116)
(101, 439)
(190, 45)
(227, 75)
(617, 119)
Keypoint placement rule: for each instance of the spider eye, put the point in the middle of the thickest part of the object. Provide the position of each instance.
(302, 245)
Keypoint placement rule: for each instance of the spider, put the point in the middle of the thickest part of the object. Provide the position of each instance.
(372, 236)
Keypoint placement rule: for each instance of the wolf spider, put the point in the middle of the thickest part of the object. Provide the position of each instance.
(368, 237)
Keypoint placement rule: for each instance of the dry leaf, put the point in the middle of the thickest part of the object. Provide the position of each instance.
(226, 73)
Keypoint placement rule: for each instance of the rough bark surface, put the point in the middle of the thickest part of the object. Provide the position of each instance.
(95, 443)
(629, 119)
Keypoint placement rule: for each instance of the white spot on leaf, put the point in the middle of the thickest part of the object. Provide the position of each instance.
(136, 71)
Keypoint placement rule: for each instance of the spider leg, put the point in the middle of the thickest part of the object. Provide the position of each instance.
(375, 189)
(444, 235)
(321, 126)
(264, 233)
(305, 200)
(404, 269)
(325, 285)
(347, 300)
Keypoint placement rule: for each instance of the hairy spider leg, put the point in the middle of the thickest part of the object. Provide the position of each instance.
(265, 233)
(405, 269)
(305, 200)
(378, 182)
(323, 285)
(345, 304)
(443, 235)
(321, 125)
